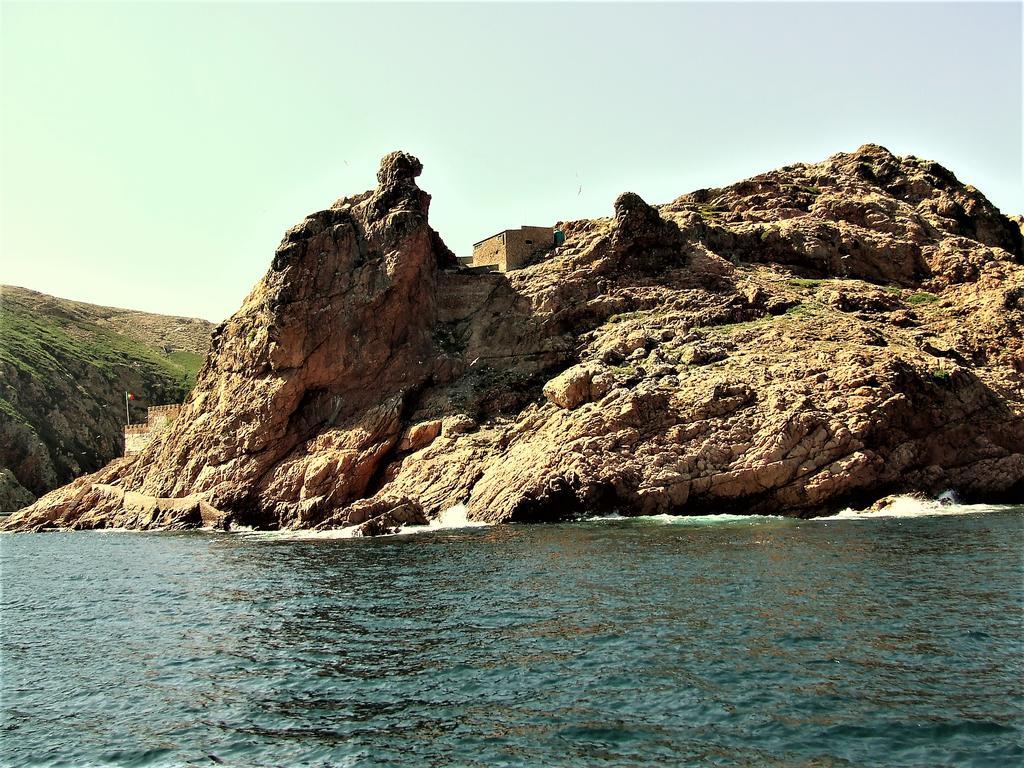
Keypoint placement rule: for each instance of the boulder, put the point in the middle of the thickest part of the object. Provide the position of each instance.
(419, 436)
(580, 384)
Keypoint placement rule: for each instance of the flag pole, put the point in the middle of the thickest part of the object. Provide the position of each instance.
(127, 415)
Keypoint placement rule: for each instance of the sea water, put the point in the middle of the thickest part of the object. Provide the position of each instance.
(892, 639)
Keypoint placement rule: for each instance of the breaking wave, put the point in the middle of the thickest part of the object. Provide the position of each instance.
(915, 506)
(454, 518)
(451, 518)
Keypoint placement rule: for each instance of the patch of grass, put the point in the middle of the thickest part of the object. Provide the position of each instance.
(804, 282)
(621, 317)
(646, 314)
(809, 189)
(895, 290)
(796, 311)
(712, 213)
(47, 344)
(735, 327)
(8, 410)
(188, 363)
(940, 373)
(799, 310)
(922, 298)
(623, 370)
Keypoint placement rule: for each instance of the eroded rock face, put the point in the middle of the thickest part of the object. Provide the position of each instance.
(809, 338)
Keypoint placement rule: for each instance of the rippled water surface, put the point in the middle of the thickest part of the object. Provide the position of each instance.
(752, 641)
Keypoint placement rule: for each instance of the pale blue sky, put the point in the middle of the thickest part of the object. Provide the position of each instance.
(154, 154)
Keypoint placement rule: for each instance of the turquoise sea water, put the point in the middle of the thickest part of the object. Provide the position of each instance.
(734, 642)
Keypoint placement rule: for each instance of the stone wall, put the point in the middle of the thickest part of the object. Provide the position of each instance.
(162, 415)
(522, 243)
(512, 248)
(461, 296)
(138, 436)
(490, 252)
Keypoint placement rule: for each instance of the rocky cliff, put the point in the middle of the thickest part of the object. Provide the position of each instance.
(64, 368)
(816, 336)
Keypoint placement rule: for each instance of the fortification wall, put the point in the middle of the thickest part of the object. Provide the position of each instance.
(138, 436)
(461, 295)
(162, 415)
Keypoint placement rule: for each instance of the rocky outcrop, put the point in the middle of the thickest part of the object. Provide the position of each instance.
(814, 337)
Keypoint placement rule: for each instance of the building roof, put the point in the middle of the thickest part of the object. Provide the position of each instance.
(506, 231)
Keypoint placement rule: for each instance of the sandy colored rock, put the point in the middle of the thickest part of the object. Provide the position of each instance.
(577, 385)
(420, 435)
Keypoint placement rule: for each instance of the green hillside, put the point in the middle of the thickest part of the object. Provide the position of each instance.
(65, 366)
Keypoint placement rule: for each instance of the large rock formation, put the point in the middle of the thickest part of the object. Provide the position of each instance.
(812, 337)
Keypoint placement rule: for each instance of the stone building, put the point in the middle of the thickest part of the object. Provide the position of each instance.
(512, 248)
(138, 436)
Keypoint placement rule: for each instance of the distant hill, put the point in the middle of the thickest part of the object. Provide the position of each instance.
(64, 368)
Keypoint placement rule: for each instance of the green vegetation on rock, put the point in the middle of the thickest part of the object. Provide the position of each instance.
(803, 282)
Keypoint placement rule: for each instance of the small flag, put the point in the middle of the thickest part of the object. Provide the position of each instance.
(127, 414)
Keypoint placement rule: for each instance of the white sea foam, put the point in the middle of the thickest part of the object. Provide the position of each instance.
(449, 519)
(331, 533)
(667, 519)
(455, 518)
(913, 506)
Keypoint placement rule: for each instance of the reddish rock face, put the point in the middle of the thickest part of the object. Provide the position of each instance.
(811, 337)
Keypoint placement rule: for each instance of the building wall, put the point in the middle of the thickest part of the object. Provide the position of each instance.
(490, 252)
(161, 415)
(512, 248)
(138, 436)
(522, 243)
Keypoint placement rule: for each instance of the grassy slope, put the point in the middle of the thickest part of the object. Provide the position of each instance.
(40, 344)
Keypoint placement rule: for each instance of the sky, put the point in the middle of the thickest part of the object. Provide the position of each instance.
(153, 154)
